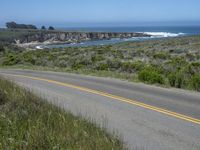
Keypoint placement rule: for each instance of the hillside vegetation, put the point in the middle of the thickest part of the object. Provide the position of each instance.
(8, 36)
(171, 62)
(28, 122)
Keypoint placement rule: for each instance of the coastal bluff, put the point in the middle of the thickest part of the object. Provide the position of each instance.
(72, 37)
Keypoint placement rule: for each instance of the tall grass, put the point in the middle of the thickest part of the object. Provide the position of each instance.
(28, 122)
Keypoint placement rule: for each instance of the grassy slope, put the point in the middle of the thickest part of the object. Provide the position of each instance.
(170, 62)
(28, 122)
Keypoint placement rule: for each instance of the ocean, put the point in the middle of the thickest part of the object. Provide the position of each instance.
(191, 30)
(156, 32)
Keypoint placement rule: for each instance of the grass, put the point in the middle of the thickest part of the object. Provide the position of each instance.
(29, 122)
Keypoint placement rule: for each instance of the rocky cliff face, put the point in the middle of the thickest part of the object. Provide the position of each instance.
(75, 36)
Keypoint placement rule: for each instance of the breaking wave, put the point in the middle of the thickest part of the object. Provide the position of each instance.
(164, 34)
(39, 47)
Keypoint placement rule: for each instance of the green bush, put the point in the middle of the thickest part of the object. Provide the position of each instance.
(194, 68)
(172, 79)
(150, 75)
(177, 63)
(10, 60)
(178, 79)
(114, 64)
(97, 58)
(77, 66)
(131, 67)
(29, 58)
(195, 82)
(161, 55)
(103, 66)
(61, 63)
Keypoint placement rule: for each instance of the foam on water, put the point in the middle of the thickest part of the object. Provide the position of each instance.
(163, 34)
(39, 47)
(153, 35)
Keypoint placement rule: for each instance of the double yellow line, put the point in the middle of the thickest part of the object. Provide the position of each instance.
(118, 98)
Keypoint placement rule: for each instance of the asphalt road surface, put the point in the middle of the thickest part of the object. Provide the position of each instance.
(146, 117)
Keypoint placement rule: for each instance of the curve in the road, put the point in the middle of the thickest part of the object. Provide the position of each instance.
(114, 97)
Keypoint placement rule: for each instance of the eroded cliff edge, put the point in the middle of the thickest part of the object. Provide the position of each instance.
(68, 37)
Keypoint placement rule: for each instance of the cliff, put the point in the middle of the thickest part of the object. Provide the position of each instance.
(69, 37)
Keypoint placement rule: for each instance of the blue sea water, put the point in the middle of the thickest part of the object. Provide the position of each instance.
(191, 30)
(156, 32)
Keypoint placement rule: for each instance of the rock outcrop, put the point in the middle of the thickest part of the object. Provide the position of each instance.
(69, 37)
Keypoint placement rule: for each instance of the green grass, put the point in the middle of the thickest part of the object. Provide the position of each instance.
(28, 122)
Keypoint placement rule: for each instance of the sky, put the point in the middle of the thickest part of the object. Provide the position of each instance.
(69, 13)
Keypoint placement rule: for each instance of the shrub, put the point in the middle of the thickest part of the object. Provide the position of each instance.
(132, 66)
(195, 82)
(29, 58)
(10, 60)
(194, 68)
(62, 63)
(172, 79)
(178, 79)
(97, 58)
(150, 75)
(161, 55)
(77, 66)
(103, 66)
(114, 64)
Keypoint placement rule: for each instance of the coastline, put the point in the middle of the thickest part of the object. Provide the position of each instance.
(58, 38)
(60, 44)
(61, 39)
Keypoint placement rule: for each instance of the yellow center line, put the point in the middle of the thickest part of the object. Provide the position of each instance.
(114, 97)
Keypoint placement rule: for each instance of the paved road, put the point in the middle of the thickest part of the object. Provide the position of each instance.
(147, 117)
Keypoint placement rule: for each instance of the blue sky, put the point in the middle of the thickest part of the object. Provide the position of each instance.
(63, 13)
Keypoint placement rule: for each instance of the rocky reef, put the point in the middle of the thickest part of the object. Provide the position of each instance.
(69, 37)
